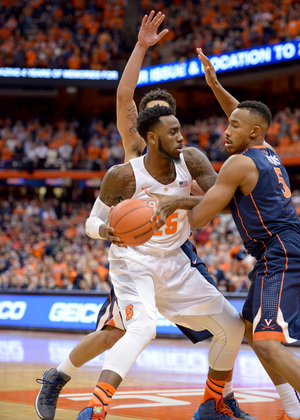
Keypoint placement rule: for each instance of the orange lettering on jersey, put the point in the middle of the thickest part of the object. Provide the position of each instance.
(170, 227)
(171, 224)
(129, 312)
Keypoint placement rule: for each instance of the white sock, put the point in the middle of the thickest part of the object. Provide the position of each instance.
(227, 389)
(290, 400)
(67, 367)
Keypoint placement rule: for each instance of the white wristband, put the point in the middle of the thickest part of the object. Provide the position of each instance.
(99, 216)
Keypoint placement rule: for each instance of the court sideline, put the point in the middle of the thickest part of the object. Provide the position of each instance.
(165, 383)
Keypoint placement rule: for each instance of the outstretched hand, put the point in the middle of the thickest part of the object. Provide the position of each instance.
(209, 70)
(166, 205)
(148, 35)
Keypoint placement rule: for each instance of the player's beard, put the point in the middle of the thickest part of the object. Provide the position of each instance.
(165, 153)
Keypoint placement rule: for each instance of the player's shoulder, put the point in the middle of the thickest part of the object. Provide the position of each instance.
(119, 171)
(195, 158)
(240, 162)
(192, 153)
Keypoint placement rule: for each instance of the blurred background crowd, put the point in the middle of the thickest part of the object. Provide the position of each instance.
(43, 244)
(64, 145)
(94, 34)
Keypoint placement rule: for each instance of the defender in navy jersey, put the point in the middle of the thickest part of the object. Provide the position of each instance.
(255, 185)
(268, 210)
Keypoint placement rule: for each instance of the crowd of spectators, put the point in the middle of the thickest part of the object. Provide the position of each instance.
(61, 146)
(217, 26)
(90, 34)
(33, 145)
(43, 245)
(77, 34)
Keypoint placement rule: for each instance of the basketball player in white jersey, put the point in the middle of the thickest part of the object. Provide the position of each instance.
(164, 274)
(109, 324)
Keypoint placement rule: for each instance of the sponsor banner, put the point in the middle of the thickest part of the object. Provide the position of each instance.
(58, 74)
(231, 61)
(65, 312)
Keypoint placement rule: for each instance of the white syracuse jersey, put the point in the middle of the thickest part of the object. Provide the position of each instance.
(177, 229)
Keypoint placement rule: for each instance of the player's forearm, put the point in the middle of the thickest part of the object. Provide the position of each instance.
(198, 217)
(95, 228)
(225, 99)
(187, 203)
(131, 73)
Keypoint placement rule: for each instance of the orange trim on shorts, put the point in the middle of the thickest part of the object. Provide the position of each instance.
(110, 322)
(283, 273)
(286, 266)
(269, 335)
(263, 279)
(110, 312)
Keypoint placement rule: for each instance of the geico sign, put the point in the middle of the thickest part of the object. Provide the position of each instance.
(12, 310)
(74, 312)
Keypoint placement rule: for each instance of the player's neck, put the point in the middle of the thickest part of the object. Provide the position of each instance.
(161, 168)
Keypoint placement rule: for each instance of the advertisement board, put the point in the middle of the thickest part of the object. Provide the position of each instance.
(66, 312)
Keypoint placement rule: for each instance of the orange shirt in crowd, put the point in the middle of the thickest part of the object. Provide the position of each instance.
(58, 269)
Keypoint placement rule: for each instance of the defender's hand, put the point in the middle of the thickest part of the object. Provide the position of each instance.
(148, 35)
(166, 205)
(209, 70)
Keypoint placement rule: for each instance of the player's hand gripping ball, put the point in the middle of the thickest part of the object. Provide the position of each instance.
(131, 222)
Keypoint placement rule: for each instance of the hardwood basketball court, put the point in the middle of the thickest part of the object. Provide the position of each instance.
(166, 382)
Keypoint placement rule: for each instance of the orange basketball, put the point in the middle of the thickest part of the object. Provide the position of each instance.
(131, 222)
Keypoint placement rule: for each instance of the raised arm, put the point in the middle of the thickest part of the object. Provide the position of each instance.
(126, 108)
(225, 99)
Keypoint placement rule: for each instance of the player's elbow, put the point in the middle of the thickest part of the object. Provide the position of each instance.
(195, 221)
(87, 227)
(123, 94)
(92, 227)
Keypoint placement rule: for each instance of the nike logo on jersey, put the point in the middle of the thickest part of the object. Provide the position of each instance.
(144, 188)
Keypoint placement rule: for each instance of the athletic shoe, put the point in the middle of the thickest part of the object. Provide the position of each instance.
(95, 412)
(283, 416)
(209, 411)
(232, 403)
(46, 400)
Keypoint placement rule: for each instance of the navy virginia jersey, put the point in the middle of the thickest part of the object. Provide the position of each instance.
(268, 209)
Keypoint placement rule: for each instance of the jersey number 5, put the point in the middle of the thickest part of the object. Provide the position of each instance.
(285, 190)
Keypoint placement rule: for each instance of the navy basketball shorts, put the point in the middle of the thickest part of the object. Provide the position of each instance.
(273, 301)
